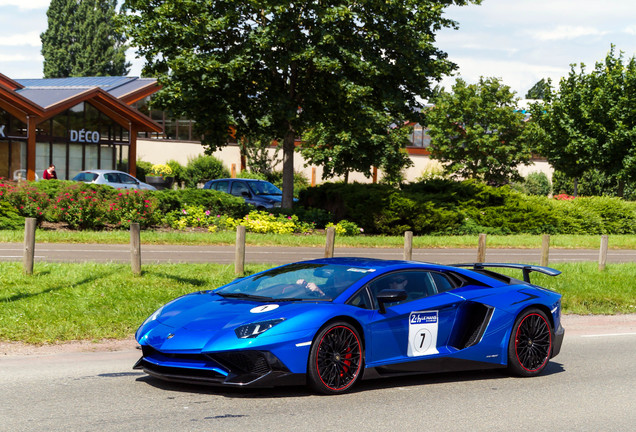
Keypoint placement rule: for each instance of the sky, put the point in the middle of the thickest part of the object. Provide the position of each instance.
(518, 41)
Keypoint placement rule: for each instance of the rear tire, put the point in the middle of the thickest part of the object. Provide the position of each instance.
(530, 344)
(335, 359)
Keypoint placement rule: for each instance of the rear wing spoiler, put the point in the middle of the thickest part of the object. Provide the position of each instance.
(525, 268)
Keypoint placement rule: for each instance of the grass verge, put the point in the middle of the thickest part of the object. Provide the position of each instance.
(92, 301)
(318, 239)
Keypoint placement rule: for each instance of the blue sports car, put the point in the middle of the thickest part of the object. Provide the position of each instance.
(331, 322)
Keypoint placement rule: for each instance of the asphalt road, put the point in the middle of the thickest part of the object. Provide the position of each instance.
(280, 255)
(590, 386)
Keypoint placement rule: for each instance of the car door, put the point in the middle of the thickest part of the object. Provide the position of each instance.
(415, 328)
(240, 189)
(128, 181)
(112, 179)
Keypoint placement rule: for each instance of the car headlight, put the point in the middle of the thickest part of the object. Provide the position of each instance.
(153, 316)
(254, 329)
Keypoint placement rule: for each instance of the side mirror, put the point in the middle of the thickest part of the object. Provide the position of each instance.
(246, 194)
(390, 296)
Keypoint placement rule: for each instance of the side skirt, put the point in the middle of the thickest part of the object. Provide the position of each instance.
(435, 365)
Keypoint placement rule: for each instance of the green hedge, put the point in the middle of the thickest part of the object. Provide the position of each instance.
(448, 207)
(216, 202)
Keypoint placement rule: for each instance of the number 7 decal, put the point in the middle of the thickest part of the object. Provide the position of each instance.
(422, 333)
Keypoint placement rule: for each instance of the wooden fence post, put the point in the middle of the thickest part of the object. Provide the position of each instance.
(602, 255)
(408, 245)
(239, 251)
(481, 248)
(545, 249)
(29, 245)
(331, 239)
(135, 248)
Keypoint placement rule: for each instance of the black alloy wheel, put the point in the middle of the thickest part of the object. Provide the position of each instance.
(530, 343)
(336, 359)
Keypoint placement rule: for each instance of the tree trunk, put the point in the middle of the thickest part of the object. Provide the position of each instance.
(576, 187)
(288, 169)
(621, 188)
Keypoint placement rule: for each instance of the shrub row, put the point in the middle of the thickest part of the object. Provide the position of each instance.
(440, 206)
(90, 206)
(87, 206)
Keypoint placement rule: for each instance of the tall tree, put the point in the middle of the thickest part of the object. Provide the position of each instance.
(82, 40)
(476, 132)
(280, 68)
(589, 123)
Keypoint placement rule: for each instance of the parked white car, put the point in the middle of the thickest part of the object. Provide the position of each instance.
(114, 178)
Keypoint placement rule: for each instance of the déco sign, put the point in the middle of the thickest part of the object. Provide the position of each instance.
(84, 136)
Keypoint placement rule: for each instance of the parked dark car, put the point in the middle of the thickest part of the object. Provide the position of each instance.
(259, 193)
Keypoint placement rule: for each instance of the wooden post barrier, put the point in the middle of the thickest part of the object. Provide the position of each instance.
(331, 240)
(481, 248)
(239, 251)
(602, 255)
(135, 248)
(545, 250)
(408, 245)
(313, 176)
(29, 245)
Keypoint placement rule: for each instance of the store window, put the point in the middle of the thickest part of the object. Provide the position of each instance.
(13, 135)
(81, 138)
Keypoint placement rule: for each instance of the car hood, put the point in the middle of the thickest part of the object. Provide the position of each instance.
(273, 198)
(199, 321)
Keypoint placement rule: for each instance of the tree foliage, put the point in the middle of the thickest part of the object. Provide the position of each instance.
(589, 123)
(477, 133)
(539, 90)
(278, 69)
(365, 142)
(82, 40)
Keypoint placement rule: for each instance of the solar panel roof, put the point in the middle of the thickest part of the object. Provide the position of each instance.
(49, 91)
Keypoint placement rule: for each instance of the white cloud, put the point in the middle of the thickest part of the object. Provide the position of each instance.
(520, 76)
(26, 4)
(31, 39)
(565, 33)
(631, 30)
(9, 58)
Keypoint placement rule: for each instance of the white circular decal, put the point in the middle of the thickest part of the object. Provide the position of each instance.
(264, 308)
(421, 341)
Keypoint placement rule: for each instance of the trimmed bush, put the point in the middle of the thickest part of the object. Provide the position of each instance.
(204, 168)
(447, 207)
(133, 205)
(26, 199)
(10, 219)
(214, 201)
(345, 228)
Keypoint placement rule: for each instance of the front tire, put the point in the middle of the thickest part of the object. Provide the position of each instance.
(335, 359)
(530, 344)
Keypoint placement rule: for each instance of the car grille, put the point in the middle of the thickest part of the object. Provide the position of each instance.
(242, 362)
(236, 367)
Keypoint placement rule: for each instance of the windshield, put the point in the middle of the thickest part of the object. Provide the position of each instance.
(264, 188)
(300, 281)
(85, 177)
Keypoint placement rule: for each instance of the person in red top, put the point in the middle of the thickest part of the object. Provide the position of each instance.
(49, 173)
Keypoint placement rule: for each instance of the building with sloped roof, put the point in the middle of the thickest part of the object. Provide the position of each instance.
(73, 123)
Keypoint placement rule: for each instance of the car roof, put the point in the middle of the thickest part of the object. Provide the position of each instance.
(391, 265)
(102, 171)
(239, 179)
